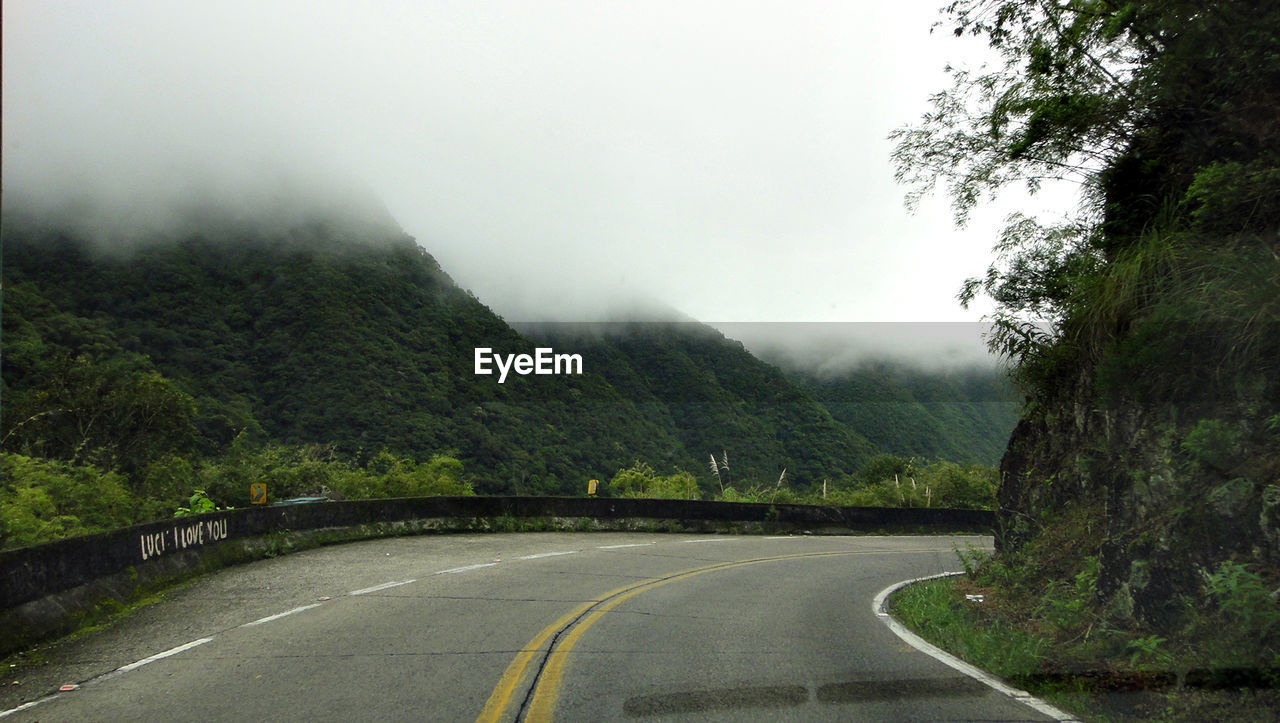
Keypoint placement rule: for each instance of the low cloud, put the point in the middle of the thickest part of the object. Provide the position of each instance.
(829, 350)
(568, 161)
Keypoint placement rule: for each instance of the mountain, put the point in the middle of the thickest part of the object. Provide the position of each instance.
(329, 332)
(963, 415)
(720, 399)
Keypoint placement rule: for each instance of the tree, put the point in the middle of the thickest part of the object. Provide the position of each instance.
(1163, 111)
(116, 414)
(639, 480)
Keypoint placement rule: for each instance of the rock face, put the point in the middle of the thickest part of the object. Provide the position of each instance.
(1171, 489)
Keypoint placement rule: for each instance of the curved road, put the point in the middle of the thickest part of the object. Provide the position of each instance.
(493, 627)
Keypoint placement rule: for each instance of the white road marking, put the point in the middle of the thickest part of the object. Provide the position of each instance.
(784, 537)
(161, 656)
(546, 554)
(32, 704)
(118, 671)
(383, 586)
(713, 539)
(277, 616)
(633, 544)
(466, 568)
(878, 606)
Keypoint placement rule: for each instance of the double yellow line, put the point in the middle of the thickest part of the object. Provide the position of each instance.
(542, 700)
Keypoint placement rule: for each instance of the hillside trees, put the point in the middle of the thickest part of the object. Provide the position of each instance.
(1163, 112)
(1152, 312)
(71, 393)
(299, 357)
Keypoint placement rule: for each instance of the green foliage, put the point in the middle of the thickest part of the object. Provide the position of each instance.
(198, 504)
(964, 416)
(972, 559)
(45, 499)
(1162, 113)
(639, 480)
(1147, 650)
(1068, 607)
(1213, 443)
(386, 475)
(890, 481)
(114, 413)
(887, 481)
(1246, 603)
(305, 338)
(1002, 618)
(316, 471)
(1142, 328)
(771, 494)
(930, 609)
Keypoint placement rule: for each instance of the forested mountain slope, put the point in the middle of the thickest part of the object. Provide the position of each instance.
(718, 397)
(963, 415)
(355, 338)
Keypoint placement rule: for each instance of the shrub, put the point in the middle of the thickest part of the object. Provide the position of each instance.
(639, 480)
(43, 500)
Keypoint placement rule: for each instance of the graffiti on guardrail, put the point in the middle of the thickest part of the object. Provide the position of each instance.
(182, 536)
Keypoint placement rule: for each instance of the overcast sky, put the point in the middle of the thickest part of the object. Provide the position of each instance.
(727, 159)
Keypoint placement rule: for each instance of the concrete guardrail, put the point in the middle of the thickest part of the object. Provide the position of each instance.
(53, 588)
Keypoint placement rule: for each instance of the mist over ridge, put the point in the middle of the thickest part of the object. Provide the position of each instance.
(258, 199)
(555, 159)
(270, 203)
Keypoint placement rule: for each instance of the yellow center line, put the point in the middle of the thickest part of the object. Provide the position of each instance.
(544, 696)
(512, 676)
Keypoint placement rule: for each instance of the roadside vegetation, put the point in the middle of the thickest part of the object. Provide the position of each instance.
(44, 499)
(884, 481)
(1220, 661)
(1139, 504)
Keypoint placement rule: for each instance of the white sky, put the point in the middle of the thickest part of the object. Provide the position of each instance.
(726, 159)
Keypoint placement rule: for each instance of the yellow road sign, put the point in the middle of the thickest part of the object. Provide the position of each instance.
(591, 486)
(258, 493)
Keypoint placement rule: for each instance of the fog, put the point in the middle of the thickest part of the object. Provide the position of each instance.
(829, 349)
(563, 161)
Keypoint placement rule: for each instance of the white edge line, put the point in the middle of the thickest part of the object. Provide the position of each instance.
(982, 676)
(383, 586)
(118, 671)
(466, 568)
(160, 656)
(547, 554)
(32, 704)
(617, 547)
(277, 616)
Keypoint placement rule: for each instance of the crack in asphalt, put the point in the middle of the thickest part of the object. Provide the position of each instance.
(476, 598)
(335, 656)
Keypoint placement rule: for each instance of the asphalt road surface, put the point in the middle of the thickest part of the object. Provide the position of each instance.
(595, 626)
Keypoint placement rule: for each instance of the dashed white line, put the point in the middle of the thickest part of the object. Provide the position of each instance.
(546, 554)
(785, 537)
(161, 656)
(711, 539)
(879, 607)
(277, 616)
(383, 586)
(618, 547)
(466, 568)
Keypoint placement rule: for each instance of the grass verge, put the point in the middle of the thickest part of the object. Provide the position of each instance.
(1056, 645)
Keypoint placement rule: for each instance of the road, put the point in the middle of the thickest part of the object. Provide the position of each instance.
(458, 627)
